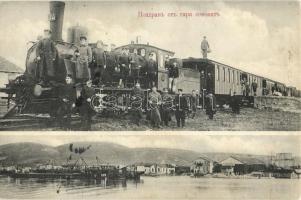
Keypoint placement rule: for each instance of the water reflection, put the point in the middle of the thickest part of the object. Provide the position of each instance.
(150, 188)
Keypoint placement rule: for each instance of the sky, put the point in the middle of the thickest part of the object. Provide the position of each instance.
(260, 37)
(200, 142)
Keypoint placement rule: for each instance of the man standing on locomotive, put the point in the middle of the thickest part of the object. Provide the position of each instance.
(46, 55)
(205, 47)
(124, 62)
(181, 108)
(135, 65)
(83, 56)
(152, 69)
(99, 61)
(155, 100)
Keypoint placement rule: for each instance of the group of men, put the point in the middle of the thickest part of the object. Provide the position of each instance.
(160, 107)
(97, 67)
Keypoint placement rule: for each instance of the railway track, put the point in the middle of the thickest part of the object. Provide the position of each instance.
(30, 122)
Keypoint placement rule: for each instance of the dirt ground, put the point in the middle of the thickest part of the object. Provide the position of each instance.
(248, 120)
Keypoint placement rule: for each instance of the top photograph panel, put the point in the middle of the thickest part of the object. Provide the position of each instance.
(150, 66)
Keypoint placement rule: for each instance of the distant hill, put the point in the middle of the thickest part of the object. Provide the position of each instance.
(32, 153)
(27, 153)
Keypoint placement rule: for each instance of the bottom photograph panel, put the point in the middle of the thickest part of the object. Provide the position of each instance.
(101, 166)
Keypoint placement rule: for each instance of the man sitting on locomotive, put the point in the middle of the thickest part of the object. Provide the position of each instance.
(83, 105)
(99, 61)
(151, 72)
(124, 62)
(82, 58)
(68, 97)
(46, 55)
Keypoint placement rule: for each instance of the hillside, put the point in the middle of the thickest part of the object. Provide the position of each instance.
(32, 153)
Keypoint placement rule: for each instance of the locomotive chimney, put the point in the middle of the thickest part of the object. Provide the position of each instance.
(56, 18)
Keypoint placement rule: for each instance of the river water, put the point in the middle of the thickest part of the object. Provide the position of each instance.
(177, 187)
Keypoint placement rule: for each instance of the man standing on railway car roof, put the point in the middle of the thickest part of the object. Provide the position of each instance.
(181, 108)
(205, 47)
(46, 55)
(155, 100)
(83, 58)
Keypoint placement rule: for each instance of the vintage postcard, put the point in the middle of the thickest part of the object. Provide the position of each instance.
(116, 66)
(150, 100)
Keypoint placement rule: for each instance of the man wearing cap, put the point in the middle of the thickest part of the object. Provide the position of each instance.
(210, 105)
(204, 47)
(46, 55)
(83, 105)
(137, 103)
(155, 100)
(99, 60)
(152, 69)
(124, 61)
(181, 107)
(166, 107)
(136, 64)
(83, 58)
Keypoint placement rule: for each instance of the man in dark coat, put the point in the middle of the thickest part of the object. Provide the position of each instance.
(166, 107)
(124, 62)
(82, 58)
(46, 55)
(152, 69)
(136, 65)
(254, 87)
(67, 95)
(111, 67)
(173, 74)
(181, 105)
(137, 104)
(235, 103)
(83, 105)
(210, 105)
(99, 61)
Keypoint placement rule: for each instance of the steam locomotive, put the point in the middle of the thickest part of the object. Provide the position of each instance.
(193, 74)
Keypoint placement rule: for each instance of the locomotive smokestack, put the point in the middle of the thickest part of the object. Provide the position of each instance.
(56, 18)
